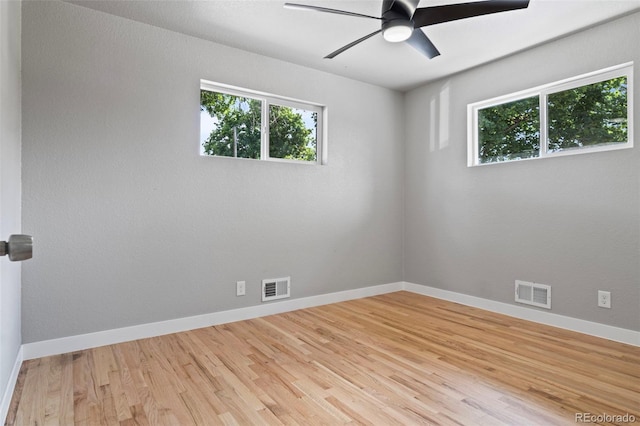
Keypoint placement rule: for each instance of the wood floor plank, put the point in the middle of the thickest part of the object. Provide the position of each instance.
(53, 397)
(397, 358)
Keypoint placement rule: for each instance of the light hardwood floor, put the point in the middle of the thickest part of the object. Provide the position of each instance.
(398, 358)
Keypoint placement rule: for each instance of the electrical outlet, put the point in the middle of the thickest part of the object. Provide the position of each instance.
(240, 288)
(604, 299)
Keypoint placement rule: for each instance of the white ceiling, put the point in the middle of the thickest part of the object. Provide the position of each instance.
(305, 37)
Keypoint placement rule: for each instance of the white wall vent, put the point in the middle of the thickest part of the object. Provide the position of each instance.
(276, 288)
(533, 294)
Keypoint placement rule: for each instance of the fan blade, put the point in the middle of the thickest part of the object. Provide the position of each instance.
(350, 45)
(437, 14)
(421, 42)
(327, 10)
(403, 7)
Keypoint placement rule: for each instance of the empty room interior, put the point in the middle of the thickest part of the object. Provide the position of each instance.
(437, 224)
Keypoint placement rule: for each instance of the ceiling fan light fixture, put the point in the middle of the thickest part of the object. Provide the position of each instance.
(397, 30)
(402, 19)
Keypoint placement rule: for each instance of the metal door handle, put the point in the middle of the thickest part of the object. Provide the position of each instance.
(19, 247)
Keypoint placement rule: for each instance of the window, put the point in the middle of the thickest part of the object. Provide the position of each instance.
(510, 131)
(583, 114)
(245, 124)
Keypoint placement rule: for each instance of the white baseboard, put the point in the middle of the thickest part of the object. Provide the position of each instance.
(108, 337)
(11, 386)
(617, 334)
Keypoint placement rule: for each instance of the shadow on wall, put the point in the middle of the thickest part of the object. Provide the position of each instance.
(440, 119)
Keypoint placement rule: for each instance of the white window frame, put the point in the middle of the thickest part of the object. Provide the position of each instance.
(267, 100)
(622, 70)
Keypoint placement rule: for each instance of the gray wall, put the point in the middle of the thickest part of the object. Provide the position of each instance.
(133, 226)
(9, 186)
(570, 222)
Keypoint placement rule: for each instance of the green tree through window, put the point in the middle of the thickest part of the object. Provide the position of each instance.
(238, 127)
(584, 114)
(237, 131)
(588, 115)
(510, 131)
(289, 136)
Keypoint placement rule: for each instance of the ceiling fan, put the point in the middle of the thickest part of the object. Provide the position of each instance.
(402, 19)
